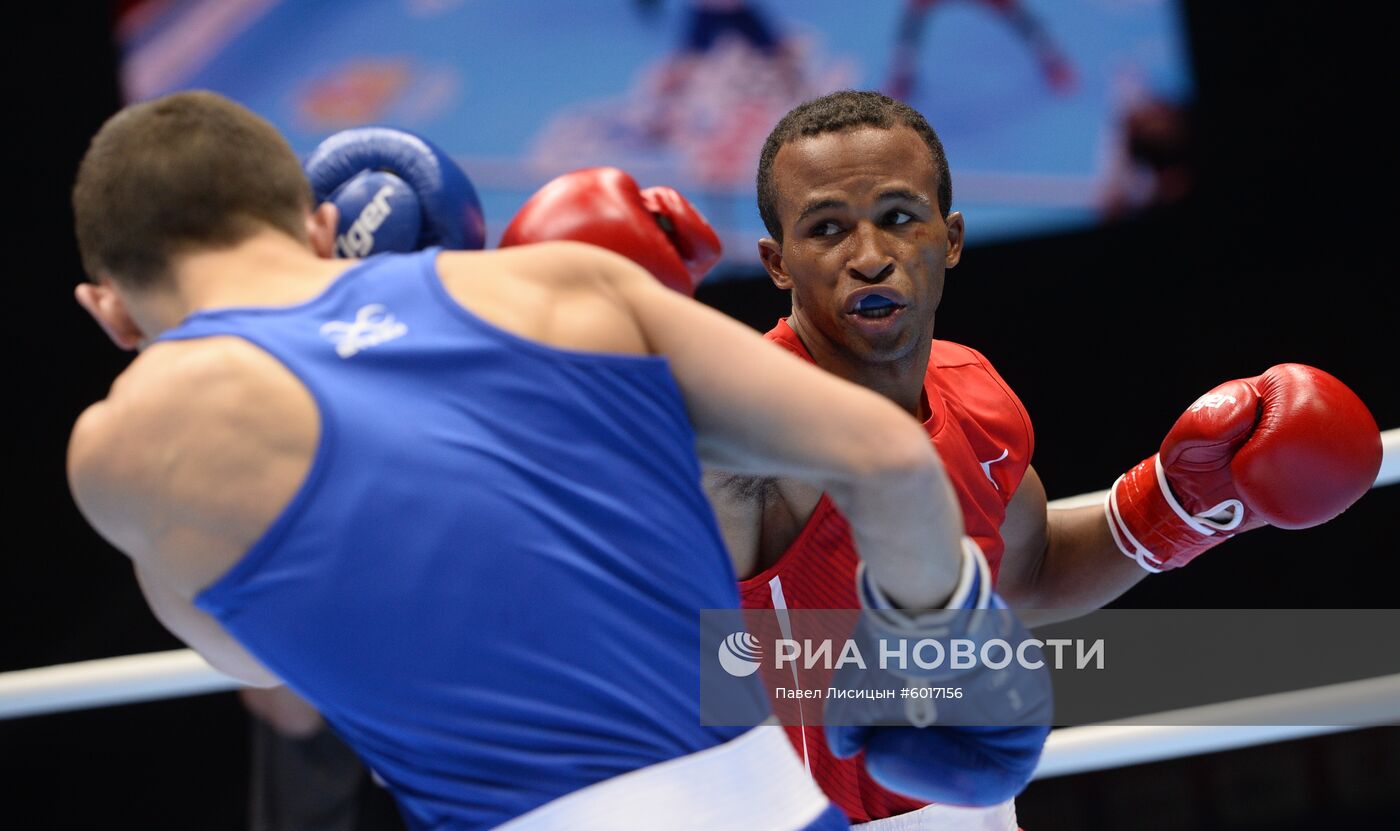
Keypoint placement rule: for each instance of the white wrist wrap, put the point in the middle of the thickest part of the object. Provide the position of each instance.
(974, 591)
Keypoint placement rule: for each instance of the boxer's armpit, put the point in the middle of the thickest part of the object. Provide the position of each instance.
(739, 505)
(760, 516)
(748, 489)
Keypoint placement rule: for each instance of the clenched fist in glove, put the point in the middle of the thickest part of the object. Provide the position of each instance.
(980, 748)
(1293, 448)
(394, 191)
(656, 228)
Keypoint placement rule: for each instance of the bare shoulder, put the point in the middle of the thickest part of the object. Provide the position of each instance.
(115, 446)
(156, 389)
(193, 453)
(561, 265)
(564, 294)
(183, 381)
(179, 436)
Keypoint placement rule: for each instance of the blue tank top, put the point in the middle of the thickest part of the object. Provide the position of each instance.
(489, 582)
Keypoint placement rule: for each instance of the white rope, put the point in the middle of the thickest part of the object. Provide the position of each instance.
(1390, 460)
(1207, 729)
(182, 672)
(125, 680)
(1225, 726)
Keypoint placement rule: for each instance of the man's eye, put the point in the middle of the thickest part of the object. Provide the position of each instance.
(898, 217)
(825, 229)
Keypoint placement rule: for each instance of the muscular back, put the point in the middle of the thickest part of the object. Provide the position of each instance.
(199, 445)
(202, 443)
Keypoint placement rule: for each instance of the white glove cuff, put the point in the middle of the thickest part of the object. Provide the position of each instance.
(974, 591)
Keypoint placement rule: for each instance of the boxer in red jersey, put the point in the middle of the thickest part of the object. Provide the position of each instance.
(855, 191)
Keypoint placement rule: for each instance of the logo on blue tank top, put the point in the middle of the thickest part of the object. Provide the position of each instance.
(373, 324)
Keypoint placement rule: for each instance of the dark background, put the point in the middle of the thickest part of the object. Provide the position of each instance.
(1284, 253)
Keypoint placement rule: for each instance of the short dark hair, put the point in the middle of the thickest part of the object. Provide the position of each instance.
(189, 170)
(834, 113)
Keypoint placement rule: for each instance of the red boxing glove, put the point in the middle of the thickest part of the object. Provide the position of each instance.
(656, 228)
(1293, 448)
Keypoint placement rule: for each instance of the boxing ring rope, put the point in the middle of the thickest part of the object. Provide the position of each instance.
(1373, 701)
(102, 683)
(1215, 727)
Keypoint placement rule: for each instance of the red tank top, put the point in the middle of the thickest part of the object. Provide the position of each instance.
(983, 434)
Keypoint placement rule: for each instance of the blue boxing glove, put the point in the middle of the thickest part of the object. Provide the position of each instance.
(975, 743)
(395, 191)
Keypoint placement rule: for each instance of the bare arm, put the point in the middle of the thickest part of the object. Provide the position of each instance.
(1059, 563)
(759, 410)
(202, 632)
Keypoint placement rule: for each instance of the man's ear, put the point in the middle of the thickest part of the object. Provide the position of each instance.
(320, 229)
(101, 300)
(770, 251)
(955, 239)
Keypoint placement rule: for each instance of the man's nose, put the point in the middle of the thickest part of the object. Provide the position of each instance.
(869, 260)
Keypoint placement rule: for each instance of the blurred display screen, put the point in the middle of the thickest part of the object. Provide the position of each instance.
(1054, 113)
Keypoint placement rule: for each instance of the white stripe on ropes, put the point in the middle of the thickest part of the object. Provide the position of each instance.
(137, 678)
(126, 680)
(182, 672)
(1216, 727)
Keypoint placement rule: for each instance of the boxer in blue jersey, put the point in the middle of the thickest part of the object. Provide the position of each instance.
(453, 499)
